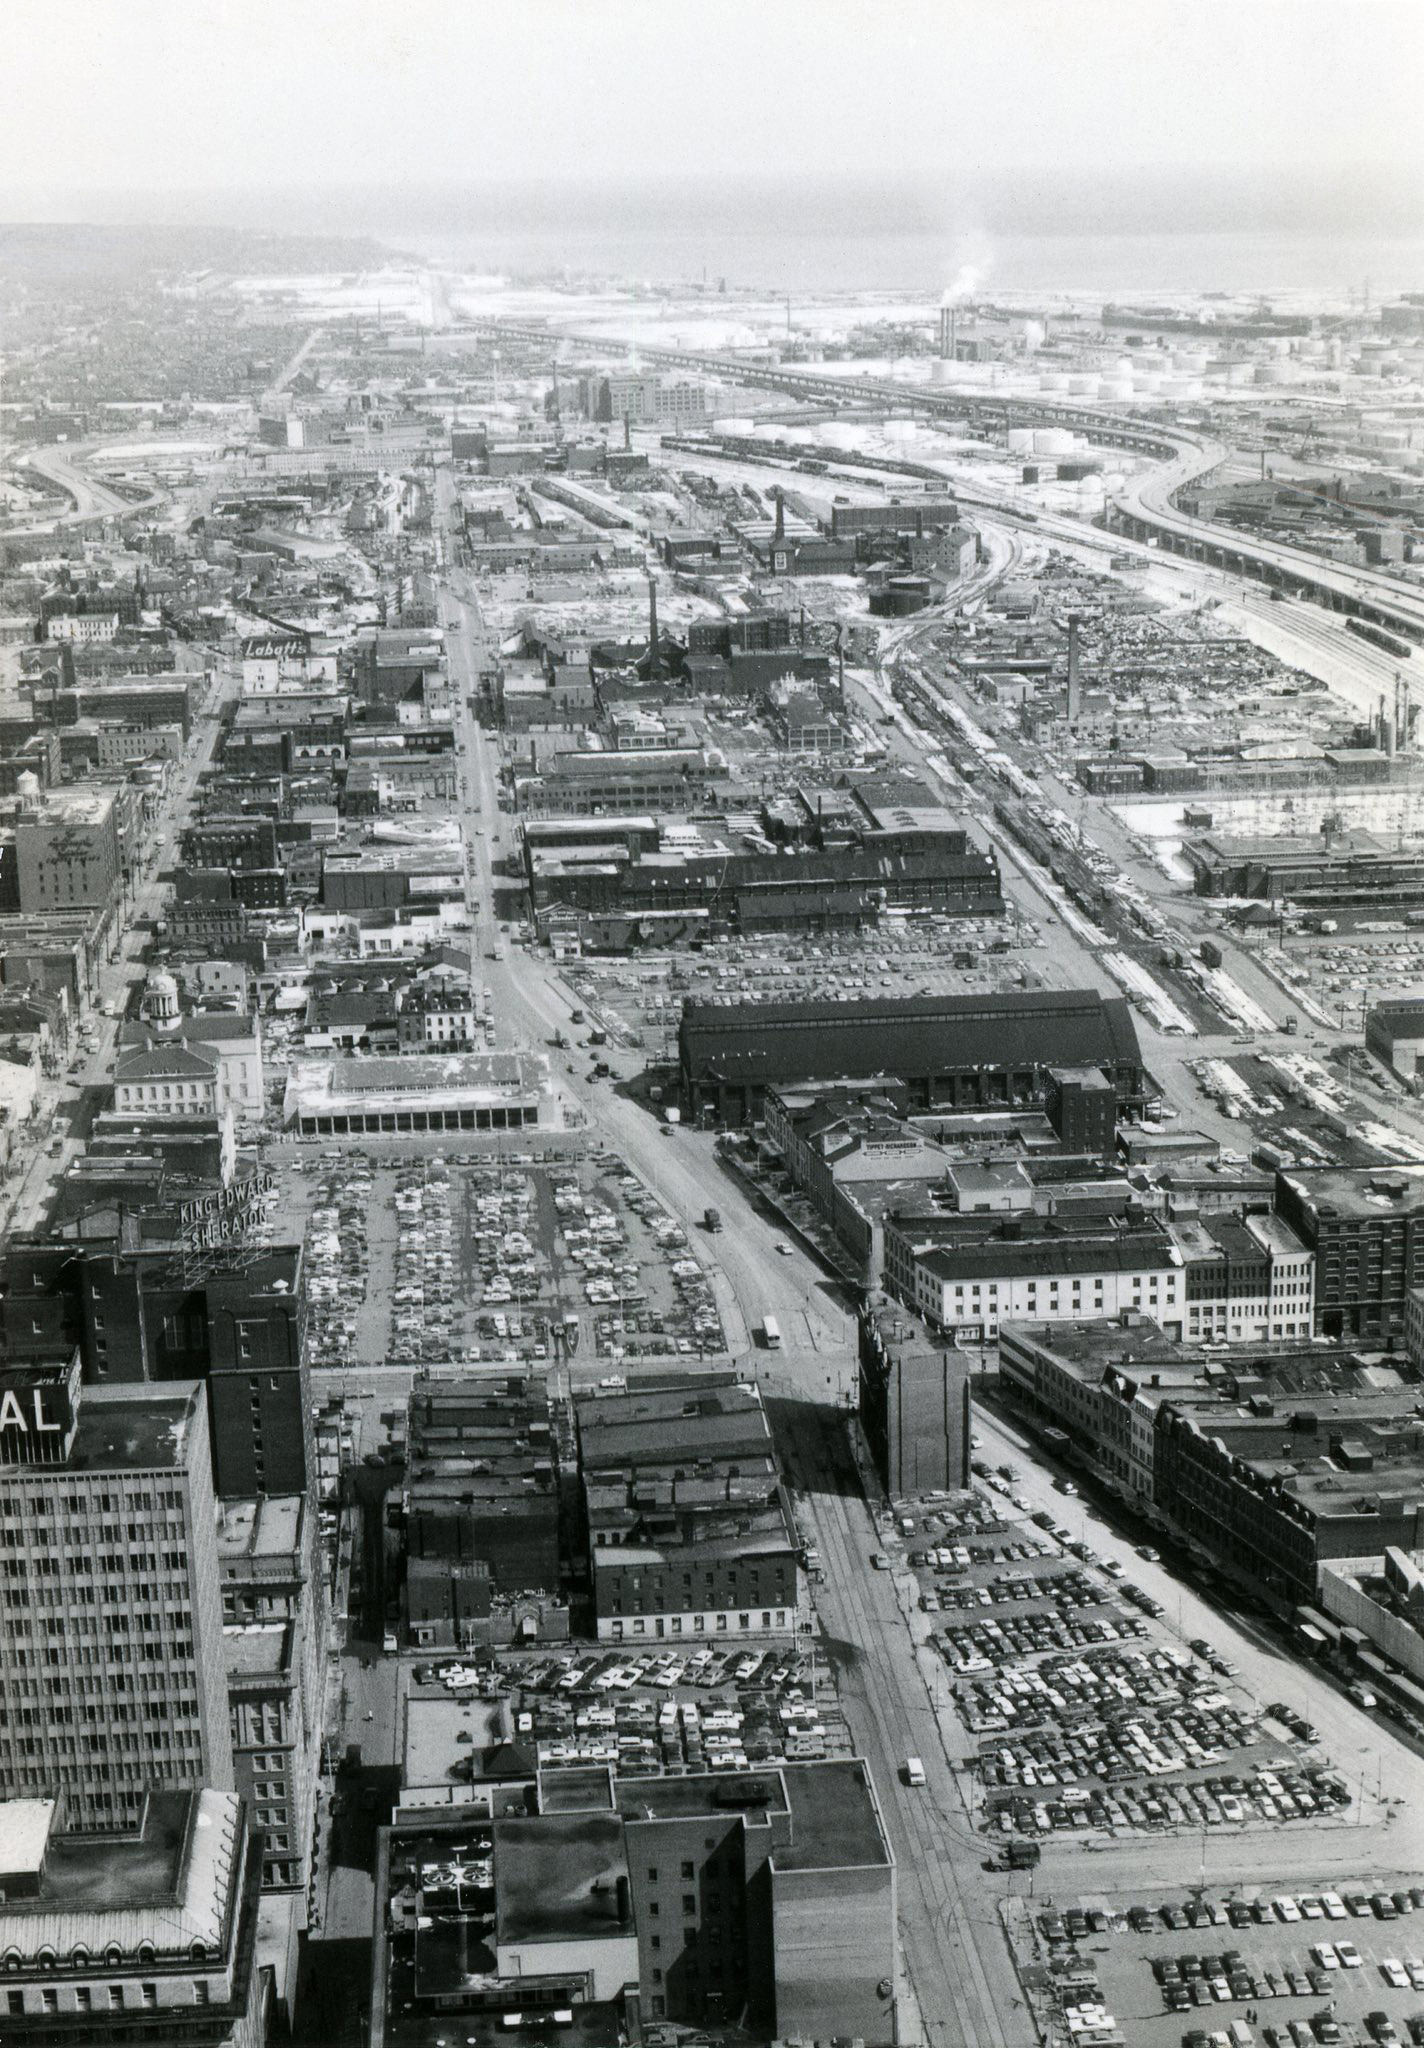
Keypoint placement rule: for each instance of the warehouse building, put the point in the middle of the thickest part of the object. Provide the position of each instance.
(1365, 1227)
(1394, 1032)
(950, 1052)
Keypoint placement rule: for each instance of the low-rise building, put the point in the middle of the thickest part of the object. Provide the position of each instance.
(968, 1275)
(690, 1532)
(1394, 1031)
(486, 1091)
(1247, 1280)
(482, 1523)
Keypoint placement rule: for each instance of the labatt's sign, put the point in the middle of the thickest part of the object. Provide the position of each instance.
(35, 1418)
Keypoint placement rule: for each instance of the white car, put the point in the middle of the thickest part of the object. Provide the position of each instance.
(1286, 1909)
(1350, 1957)
(1415, 1969)
(1335, 1907)
(1393, 1973)
(1324, 1954)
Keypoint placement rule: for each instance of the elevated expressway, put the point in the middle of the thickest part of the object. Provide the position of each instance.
(1143, 509)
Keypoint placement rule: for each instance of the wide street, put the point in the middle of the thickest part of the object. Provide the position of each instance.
(896, 1704)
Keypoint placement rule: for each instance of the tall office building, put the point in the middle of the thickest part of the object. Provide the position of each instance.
(112, 1672)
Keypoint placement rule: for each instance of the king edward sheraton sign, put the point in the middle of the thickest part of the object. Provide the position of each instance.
(210, 1219)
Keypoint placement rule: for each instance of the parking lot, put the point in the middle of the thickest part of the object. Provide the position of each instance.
(1334, 1966)
(1077, 1709)
(639, 1001)
(424, 1257)
(645, 1712)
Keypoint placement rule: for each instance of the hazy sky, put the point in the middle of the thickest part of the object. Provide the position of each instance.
(165, 96)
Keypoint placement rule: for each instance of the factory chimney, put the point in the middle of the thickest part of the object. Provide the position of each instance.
(655, 660)
(1379, 724)
(1075, 695)
(779, 533)
(946, 333)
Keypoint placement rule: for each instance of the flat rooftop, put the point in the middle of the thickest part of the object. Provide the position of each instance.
(269, 1527)
(1359, 1190)
(132, 1428)
(557, 1876)
(441, 1732)
(835, 1821)
(258, 1649)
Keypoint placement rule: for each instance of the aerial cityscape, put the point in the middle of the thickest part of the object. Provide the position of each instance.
(712, 1026)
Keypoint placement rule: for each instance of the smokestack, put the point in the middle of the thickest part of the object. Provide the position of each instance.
(946, 328)
(655, 662)
(1074, 690)
(779, 532)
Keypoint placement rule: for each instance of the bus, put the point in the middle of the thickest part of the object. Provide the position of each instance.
(771, 1333)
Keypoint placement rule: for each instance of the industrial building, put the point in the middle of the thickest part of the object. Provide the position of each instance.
(709, 870)
(1347, 867)
(1275, 1460)
(1394, 1032)
(947, 1051)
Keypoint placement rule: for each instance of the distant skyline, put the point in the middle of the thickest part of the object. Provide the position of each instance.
(155, 109)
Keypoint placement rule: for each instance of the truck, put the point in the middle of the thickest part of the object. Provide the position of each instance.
(914, 1771)
(712, 1220)
(1210, 953)
(771, 1333)
(672, 1115)
(1020, 1856)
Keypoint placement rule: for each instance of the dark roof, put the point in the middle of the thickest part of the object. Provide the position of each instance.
(1141, 1252)
(908, 1034)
